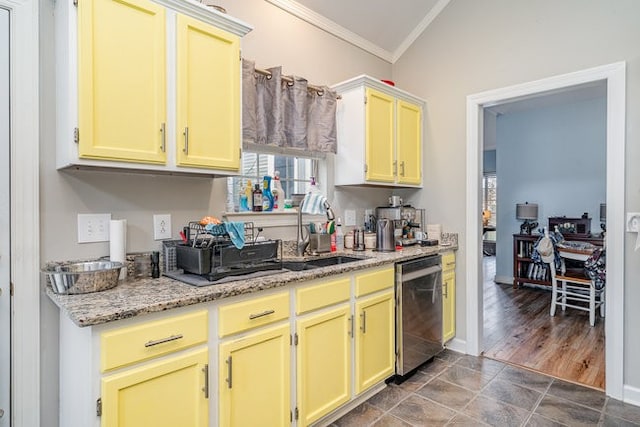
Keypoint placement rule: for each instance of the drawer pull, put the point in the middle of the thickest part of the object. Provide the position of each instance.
(364, 322)
(186, 141)
(351, 326)
(229, 379)
(445, 293)
(264, 313)
(163, 132)
(163, 340)
(450, 264)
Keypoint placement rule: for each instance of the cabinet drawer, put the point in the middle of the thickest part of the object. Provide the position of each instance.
(141, 342)
(245, 315)
(367, 283)
(448, 261)
(322, 294)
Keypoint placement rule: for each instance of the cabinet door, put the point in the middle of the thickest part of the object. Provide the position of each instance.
(255, 375)
(375, 340)
(379, 137)
(448, 305)
(208, 96)
(323, 363)
(167, 393)
(121, 87)
(409, 143)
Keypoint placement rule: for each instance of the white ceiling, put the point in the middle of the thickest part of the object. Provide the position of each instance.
(383, 28)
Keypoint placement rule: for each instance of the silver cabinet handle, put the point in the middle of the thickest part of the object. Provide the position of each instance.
(351, 326)
(364, 322)
(229, 379)
(186, 140)
(163, 133)
(206, 381)
(445, 291)
(264, 313)
(402, 168)
(163, 340)
(395, 168)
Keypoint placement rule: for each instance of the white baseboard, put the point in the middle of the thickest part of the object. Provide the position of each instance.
(456, 344)
(505, 280)
(631, 395)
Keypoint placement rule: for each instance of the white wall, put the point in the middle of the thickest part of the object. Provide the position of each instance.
(475, 46)
(555, 157)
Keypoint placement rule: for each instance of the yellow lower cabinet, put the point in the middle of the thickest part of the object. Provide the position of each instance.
(171, 392)
(323, 363)
(375, 339)
(255, 379)
(448, 305)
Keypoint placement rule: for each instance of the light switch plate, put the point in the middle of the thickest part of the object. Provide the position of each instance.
(162, 227)
(93, 228)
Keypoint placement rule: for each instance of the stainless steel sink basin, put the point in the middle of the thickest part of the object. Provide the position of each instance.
(318, 263)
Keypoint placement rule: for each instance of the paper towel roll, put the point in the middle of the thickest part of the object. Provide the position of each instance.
(118, 243)
(434, 231)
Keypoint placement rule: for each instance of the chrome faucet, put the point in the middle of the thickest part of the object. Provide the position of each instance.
(302, 241)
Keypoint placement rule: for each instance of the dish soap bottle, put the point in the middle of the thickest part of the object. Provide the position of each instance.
(267, 197)
(339, 236)
(257, 199)
(278, 193)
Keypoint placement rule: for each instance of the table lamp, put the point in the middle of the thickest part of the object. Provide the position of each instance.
(527, 212)
(603, 218)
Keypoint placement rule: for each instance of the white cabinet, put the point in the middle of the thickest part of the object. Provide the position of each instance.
(128, 87)
(380, 135)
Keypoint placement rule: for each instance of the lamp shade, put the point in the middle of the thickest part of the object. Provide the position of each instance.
(603, 212)
(526, 211)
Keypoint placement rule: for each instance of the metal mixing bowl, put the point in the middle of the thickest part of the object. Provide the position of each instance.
(83, 277)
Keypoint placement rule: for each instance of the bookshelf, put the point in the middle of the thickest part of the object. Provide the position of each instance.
(525, 270)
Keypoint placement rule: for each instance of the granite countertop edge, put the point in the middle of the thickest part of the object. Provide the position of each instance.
(132, 298)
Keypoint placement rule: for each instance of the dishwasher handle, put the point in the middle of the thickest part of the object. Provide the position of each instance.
(421, 273)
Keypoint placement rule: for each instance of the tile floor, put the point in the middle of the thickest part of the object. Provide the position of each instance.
(455, 389)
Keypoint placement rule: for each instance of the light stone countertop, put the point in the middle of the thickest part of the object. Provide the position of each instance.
(140, 296)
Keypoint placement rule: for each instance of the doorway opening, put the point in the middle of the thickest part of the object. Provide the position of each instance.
(613, 76)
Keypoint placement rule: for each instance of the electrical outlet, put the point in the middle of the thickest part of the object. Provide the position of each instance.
(93, 228)
(162, 227)
(349, 217)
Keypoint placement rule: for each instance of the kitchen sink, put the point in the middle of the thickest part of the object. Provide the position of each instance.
(318, 262)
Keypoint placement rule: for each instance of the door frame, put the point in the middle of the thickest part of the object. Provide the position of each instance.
(25, 214)
(615, 77)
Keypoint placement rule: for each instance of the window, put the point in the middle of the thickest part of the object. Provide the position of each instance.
(489, 196)
(295, 174)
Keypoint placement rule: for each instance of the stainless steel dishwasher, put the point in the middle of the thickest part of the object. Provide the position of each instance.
(418, 313)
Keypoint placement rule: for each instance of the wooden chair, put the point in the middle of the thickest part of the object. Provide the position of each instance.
(573, 288)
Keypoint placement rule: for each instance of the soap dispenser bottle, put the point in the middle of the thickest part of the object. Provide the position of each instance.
(257, 199)
(267, 197)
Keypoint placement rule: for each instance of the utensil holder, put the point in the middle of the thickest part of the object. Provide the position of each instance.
(319, 243)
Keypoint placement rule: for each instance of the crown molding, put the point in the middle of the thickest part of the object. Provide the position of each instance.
(413, 36)
(331, 27)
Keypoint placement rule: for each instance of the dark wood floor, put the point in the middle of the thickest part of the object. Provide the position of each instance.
(519, 330)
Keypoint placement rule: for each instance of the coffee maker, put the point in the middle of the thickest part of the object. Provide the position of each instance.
(405, 222)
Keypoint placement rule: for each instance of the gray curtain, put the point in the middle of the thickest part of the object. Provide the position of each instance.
(321, 121)
(284, 114)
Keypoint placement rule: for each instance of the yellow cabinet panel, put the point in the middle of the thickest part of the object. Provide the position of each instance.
(448, 305)
(375, 340)
(320, 295)
(323, 363)
(373, 281)
(448, 261)
(254, 379)
(122, 84)
(166, 393)
(409, 143)
(249, 314)
(208, 96)
(379, 145)
(124, 346)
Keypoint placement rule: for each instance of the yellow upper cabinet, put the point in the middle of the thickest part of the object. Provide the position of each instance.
(380, 135)
(147, 85)
(208, 96)
(409, 143)
(121, 78)
(379, 147)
